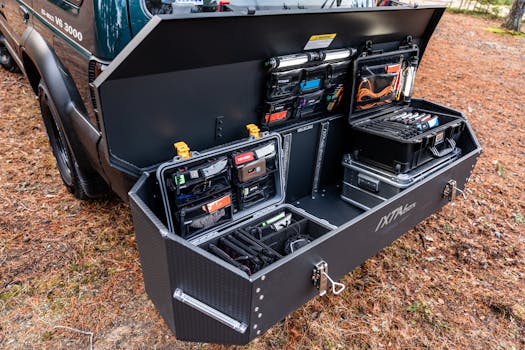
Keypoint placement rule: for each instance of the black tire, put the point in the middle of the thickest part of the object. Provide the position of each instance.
(6, 60)
(67, 166)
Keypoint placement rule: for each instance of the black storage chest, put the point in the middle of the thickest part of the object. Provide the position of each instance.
(207, 100)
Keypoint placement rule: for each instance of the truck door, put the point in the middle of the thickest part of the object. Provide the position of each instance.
(16, 17)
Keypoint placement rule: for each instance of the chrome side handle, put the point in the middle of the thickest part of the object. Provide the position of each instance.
(209, 311)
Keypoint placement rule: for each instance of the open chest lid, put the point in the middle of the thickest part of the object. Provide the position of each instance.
(383, 81)
(201, 78)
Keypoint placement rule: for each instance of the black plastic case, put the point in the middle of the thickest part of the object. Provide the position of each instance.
(404, 152)
(313, 78)
(279, 111)
(246, 181)
(284, 84)
(365, 186)
(310, 104)
(380, 135)
(223, 182)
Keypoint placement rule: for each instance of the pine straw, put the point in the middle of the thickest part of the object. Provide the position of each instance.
(71, 263)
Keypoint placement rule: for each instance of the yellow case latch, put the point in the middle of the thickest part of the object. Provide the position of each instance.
(253, 130)
(183, 150)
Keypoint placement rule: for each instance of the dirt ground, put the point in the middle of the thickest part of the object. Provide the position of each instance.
(455, 281)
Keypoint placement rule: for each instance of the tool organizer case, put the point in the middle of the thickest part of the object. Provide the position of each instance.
(365, 186)
(307, 89)
(273, 230)
(390, 131)
(230, 244)
(220, 186)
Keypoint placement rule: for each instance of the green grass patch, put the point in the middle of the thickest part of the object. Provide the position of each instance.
(420, 310)
(11, 292)
(503, 31)
(520, 219)
(47, 335)
(11, 295)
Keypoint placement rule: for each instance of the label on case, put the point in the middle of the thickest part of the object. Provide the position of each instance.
(440, 138)
(243, 158)
(270, 118)
(265, 151)
(394, 68)
(179, 179)
(218, 204)
(310, 84)
(250, 190)
(215, 168)
(252, 170)
(319, 41)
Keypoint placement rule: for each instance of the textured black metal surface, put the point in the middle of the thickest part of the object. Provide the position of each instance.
(329, 206)
(302, 162)
(216, 286)
(198, 38)
(288, 286)
(337, 144)
(168, 263)
(177, 75)
(177, 106)
(153, 256)
(303, 153)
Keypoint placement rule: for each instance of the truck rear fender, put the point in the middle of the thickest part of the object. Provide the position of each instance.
(42, 63)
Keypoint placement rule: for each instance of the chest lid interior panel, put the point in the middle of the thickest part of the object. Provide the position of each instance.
(201, 78)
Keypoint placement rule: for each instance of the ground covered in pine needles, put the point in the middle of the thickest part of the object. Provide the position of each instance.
(455, 281)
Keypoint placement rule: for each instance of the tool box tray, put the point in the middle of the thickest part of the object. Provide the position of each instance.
(398, 147)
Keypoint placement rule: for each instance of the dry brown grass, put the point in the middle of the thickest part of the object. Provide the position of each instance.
(72, 263)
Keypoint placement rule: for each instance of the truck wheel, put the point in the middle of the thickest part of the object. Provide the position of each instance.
(6, 60)
(67, 166)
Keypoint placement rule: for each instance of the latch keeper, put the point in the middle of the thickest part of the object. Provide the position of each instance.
(321, 278)
(182, 149)
(451, 189)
